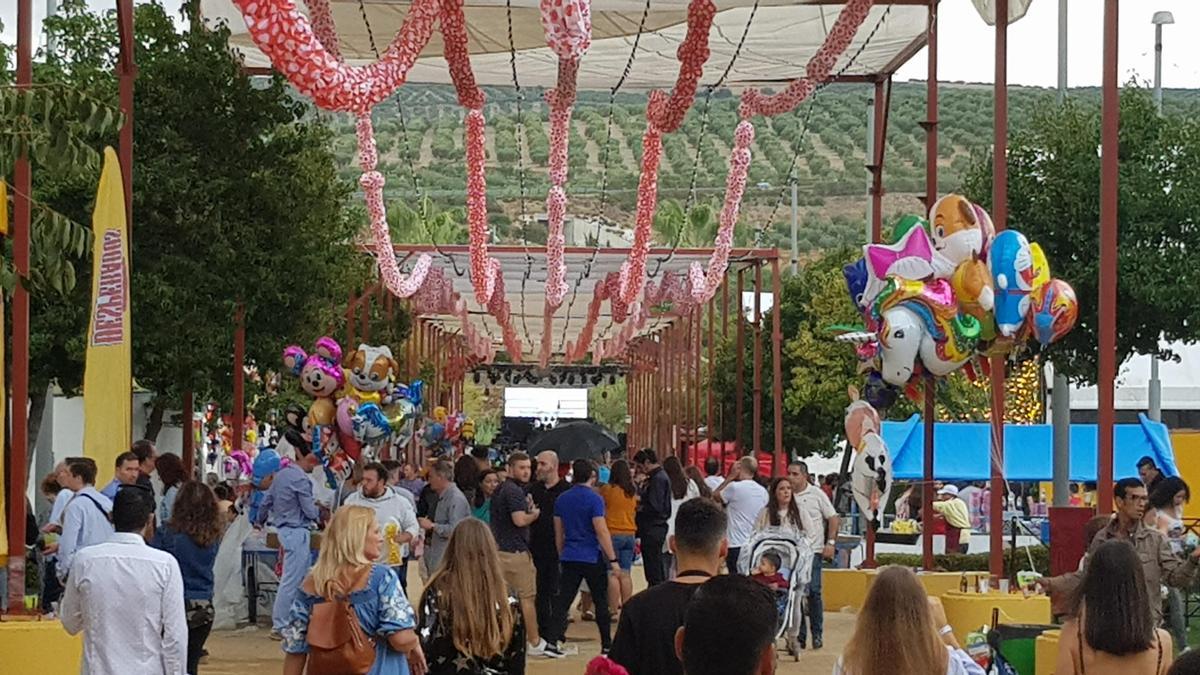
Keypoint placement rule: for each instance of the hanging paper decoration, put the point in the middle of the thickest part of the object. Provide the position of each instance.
(664, 114)
(568, 27)
(849, 20)
(286, 37)
(704, 286)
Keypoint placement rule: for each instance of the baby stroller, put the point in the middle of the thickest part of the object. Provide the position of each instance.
(796, 556)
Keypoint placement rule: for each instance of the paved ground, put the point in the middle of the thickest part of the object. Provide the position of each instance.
(248, 650)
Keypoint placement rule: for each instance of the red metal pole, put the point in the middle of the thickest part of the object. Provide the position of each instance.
(1000, 216)
(777, 365)
(22, 224)
(708, 434)
(739, 381)
(757, 402)
(364, 311)
(931, 189)
(126, 72)
(189, 434)
(725, 307)
(697, 347)
(239, 377)
(1111, 120)
(877, 164)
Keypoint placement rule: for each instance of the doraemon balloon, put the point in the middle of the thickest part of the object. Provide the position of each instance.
(1011, 262)
(1053, 311)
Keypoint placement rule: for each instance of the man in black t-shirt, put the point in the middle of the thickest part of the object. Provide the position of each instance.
(653, 511)
(512, 512)
(545, 490)
(645, 640)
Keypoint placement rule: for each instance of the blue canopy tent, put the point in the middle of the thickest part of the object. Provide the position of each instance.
(962, 451)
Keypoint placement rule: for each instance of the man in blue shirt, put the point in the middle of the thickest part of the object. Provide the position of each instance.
(289, 507)
(125, 472)
(585, 551)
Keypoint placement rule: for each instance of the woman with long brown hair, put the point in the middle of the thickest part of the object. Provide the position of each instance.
(172, 474)
(620, 509)
(901, 631)
(782, 512)
(192, 536)
(346, 570)
(682, 489)
(469, 624)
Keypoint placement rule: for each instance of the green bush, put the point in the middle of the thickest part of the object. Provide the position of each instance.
(972, 562)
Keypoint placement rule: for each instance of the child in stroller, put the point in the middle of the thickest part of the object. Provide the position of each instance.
(768, 573)
(784, 563)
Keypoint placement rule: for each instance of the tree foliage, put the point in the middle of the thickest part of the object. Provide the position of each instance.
(1054, 199)
(236, 202)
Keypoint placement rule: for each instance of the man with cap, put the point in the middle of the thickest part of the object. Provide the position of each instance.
(958, 518)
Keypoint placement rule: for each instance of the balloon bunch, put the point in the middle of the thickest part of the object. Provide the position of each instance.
(443, 431)
(374, 406)
(949, 291)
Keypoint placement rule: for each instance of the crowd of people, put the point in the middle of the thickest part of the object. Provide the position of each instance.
(504, 551)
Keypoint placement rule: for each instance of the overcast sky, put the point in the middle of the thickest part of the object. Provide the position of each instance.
(967, 42)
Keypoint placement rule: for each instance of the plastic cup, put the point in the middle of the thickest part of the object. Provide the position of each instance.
(1004, 586)
(985, 585)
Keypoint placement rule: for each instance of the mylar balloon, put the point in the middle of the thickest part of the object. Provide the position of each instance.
(1054, 311)
(1011, 263)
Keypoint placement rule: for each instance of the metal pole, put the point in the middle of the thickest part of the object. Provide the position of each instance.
(189, 436)
(870, 159)
(1110, 122)
(880, 130)
(1000, 216)
(239, 377)
(22, 223)
(127, 71)
(931, 180)
(1060, 418)
(795, 228)
(1062, 51)
(756, 440)
(1158, 68)
(740, 378)
(777, 366)
(709, 433)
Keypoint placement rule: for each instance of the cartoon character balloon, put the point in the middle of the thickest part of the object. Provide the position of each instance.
(1013, 273)
(320, 376)
(960, 231)
(371, 371)
(909, 258)
(871, 473)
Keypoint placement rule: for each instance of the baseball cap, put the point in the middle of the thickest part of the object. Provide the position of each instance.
(949, 490)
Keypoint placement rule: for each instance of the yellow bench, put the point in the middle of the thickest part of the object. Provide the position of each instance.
(38, 646)
(1047, 652)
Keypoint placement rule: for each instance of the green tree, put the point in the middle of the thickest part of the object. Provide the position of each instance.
(1054, 199)
(606, 405)
(236, 201)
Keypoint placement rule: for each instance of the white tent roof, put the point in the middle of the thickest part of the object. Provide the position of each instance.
(570, 317)
(783, 35)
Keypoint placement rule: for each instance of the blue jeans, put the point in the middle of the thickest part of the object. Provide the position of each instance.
(623, 545)
(297, 559)
(816, 606)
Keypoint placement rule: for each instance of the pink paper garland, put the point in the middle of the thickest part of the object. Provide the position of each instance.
(845, 27)
(703, 287)
(288, 39)
(568, 27)
(663, 115)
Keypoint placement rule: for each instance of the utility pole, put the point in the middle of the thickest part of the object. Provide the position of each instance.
(795, 228)
(1062, 51)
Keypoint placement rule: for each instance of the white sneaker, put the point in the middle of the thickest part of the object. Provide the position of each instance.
(543, 648)
(567, 649)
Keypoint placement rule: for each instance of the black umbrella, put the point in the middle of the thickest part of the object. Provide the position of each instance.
(575, 440)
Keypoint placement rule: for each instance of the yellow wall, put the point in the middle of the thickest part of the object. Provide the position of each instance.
(38, 646)
(1187, 458)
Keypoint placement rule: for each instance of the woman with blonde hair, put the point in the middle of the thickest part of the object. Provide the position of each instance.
(346, 572)
(901, 631)
(469, 623)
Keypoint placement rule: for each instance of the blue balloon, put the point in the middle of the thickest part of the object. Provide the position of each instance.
(370, 424)
(856, 280)
(1011, 263)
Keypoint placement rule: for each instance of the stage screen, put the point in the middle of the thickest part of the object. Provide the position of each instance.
(543, 402)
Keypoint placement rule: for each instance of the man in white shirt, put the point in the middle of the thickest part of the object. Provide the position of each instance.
(396, 516)
(85, 518)
(744, 499)
(815, 507)
(127, 599)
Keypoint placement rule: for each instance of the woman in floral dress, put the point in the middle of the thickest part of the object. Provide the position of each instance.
(346, 567)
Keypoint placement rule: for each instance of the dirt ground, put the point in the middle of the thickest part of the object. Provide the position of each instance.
(248, 650)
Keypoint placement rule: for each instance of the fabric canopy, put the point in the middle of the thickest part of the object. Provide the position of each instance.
(783, 36)
(963, 451)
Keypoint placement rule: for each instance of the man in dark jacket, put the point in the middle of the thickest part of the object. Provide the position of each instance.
(653, 511)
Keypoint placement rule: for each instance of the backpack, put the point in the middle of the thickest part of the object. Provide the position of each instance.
(337, 643)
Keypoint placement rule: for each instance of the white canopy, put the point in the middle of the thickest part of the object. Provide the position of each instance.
(783, 35)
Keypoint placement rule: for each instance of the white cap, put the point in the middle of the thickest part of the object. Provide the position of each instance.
(951, 490)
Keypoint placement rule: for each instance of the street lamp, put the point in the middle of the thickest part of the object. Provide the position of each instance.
(1160, 19)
